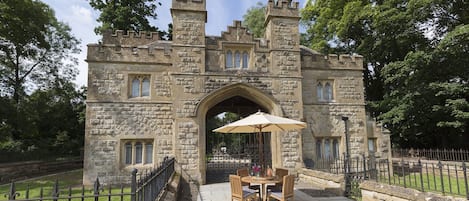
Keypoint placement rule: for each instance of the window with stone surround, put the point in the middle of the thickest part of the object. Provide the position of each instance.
(325, 90)
(139, 86)
(137, 152)
(327, 147)
(372, 145)
(237, 58)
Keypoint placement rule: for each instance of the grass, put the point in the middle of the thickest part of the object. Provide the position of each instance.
(431, 183)
(69, 183)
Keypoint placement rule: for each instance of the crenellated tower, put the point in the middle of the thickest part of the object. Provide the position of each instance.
(282, 22)
(189, 18)
(282, 30)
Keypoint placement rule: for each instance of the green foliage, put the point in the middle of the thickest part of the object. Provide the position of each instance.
(215, 140)
(36, 52)
(254, 20)
(415, 73)
(428, 94)
(51, 119)
(127, 15)
(35, 48)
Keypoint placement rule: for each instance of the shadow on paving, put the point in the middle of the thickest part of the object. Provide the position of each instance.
(188, 191)
(214, 177)
(318, 192)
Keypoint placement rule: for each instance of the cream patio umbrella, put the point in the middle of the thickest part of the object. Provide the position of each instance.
(261, 122)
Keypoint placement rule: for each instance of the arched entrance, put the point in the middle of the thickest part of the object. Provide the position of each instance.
(240, 99)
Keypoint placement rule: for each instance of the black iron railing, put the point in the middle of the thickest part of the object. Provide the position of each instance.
(447, 178)
(433, 154)
(151, 185)
(147, 186)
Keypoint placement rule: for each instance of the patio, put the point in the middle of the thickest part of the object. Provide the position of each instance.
(221, 192)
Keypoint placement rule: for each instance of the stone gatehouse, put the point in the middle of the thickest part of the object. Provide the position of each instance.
(149, 98)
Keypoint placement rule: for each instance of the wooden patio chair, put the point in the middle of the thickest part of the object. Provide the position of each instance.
(237, 191)
(287, 189)
(279, 172)
(244, 172)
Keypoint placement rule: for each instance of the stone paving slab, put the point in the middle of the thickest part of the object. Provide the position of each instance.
(222, 192)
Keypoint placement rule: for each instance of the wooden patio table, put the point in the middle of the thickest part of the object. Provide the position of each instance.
(263, 181)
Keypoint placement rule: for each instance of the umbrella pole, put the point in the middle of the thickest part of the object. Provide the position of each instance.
(261, 151)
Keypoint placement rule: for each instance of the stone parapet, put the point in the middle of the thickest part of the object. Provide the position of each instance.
(195, 5)
(315, 60)
(159, 52)
(131, 38)
(282, 8)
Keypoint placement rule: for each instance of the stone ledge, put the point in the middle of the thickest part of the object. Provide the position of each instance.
(322, 175)
(377, 191)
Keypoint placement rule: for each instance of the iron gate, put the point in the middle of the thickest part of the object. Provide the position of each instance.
(225, 160)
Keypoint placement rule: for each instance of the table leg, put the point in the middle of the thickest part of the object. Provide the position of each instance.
(264, 192)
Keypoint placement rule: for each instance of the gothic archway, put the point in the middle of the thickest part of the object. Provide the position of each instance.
(249, 99)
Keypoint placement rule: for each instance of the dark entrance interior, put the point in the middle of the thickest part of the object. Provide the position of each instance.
(225, 153)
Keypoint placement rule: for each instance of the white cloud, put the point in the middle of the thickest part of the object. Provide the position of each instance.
(82, 15)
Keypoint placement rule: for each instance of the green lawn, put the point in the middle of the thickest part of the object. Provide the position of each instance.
(69, 183)
(430, 183)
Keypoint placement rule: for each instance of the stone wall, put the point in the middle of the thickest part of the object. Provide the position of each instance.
(326, 181)
(24, 170)
(372, 191)
(109, 123)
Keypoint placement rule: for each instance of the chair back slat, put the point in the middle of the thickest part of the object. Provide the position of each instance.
(243, 172)
(236, 188)
(288, 184)
(280, 173)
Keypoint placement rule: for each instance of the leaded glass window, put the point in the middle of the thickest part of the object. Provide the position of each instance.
(128, 153)
(245, 60)
(237, 59)
(135, 87)
(138, 152)
(148, 153)
(229, 59)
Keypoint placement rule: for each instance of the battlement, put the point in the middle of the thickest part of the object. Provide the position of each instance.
(130, 38)
(283, 8)
(344, 61)
(196, 5)
(157, 52)
(313, 59)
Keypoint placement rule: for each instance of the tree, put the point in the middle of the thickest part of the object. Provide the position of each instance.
(254, 20)
(36, 51)
(429, 94)
(406, 86)
(381, 31)
(45, 108)
(127, 15)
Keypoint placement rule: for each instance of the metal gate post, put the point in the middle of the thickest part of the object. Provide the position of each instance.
(348, 182)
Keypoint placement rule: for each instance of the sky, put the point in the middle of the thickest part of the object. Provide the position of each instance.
(81, 18)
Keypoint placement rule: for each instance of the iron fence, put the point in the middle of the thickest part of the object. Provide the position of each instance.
(147, 186)
(433, 154)
(448, 178)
